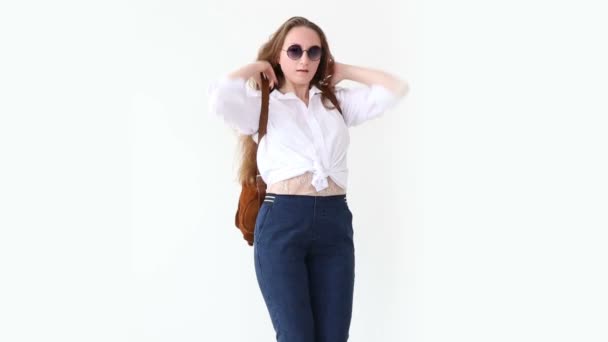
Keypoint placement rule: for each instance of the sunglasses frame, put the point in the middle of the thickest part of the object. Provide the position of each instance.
(302, 52)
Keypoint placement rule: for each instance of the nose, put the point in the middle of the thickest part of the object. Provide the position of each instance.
(304, 59)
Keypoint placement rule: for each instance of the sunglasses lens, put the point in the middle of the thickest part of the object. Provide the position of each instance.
(294, 52)
(314, 53)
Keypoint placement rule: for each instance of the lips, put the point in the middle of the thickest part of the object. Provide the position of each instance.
(302, 70)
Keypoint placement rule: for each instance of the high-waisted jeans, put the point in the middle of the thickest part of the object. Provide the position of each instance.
(305, 266)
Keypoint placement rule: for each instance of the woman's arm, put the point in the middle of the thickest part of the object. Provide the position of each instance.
(253, 70)
(369, 77)
(232, 99)
(360, 104)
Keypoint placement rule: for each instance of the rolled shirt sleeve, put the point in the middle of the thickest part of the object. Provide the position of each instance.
(364, 103)
(236, 103)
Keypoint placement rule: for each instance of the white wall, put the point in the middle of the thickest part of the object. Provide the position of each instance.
(515, 171)
(117, 189)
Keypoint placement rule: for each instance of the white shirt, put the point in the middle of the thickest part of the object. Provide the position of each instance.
(299, 138)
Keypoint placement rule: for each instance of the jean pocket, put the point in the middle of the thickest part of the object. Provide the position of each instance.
(349, 216)
(263, 214)
(347, 208)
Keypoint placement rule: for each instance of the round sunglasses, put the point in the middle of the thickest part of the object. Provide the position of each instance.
(295, 52)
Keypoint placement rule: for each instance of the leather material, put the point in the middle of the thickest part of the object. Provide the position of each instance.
(252, 195)
(250, 201)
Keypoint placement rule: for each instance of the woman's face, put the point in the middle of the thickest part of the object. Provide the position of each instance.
(301, 71)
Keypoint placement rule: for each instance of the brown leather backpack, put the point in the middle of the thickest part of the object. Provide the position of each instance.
(252, 196)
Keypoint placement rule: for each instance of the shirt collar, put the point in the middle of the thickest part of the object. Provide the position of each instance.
(291, 95)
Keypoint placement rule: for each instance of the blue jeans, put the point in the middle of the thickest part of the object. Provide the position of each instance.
(305, 266)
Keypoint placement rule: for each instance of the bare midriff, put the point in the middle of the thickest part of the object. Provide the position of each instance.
(301, 185)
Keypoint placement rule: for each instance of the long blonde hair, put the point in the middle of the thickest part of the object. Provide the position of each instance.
(269, 52)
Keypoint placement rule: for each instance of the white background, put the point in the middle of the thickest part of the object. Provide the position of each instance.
(480, 201)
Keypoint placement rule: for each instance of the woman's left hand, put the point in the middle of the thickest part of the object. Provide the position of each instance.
(338, 74)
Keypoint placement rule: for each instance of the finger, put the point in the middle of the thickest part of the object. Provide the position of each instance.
(263, 78)
(269, 77)
(258, 81)
(274, 77)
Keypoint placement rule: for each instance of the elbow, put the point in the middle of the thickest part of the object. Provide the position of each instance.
(398, 87)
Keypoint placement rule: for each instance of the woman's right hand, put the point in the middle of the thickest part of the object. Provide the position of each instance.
(264, 69)
(253, 70)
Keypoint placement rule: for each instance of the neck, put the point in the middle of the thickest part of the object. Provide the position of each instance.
(301, 91)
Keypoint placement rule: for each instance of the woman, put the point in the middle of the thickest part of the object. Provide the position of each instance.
(303, 240)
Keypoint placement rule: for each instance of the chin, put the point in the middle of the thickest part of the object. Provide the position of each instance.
(300, 79)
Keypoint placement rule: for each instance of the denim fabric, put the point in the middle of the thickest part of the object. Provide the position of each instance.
(305, 266)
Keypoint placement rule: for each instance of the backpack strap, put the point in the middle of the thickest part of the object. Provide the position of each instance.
(263, 112)
(264, 109)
